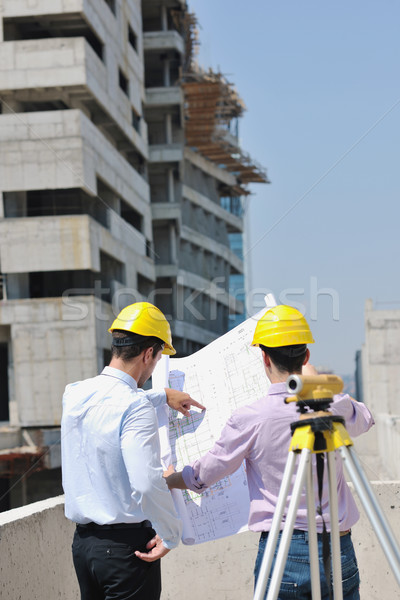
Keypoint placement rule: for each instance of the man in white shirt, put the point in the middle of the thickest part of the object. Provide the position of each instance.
(112, 473)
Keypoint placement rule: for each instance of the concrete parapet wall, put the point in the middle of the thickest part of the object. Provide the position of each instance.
(65, 244)
(42, 150)
(163, 96)
(163, 40)
(23, 8)
(57, 149)
(29, 63)
(35, 546)
(223, 569)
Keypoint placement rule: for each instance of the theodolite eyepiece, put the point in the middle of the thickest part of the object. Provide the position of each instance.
(305, 386)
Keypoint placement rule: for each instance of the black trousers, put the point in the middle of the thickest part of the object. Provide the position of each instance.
(107, 568)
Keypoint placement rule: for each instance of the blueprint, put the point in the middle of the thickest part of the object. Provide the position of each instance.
(225, 375)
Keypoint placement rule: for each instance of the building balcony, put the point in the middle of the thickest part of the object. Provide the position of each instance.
(203, 241)
(64, 149)
(25, 8)
(193, 333)
(198, 283)
(66, 243)
(33, 72)
(163, 96)
(211, 168)
(44, 570)
(158, 41)
(234, 223)
(165, 153)
(162, 212)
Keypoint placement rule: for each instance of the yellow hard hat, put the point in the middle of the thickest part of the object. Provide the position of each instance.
(146, 319)
(282, 326)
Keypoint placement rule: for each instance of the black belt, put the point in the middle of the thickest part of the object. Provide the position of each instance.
(92, 525)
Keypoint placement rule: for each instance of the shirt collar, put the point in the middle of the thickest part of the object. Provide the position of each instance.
(112, 372)
(277, 388)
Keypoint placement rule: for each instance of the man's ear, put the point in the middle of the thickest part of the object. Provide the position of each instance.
(307, 358)
(147, 354)
(266, 359)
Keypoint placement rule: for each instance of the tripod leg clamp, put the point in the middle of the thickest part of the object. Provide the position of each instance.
(335, 436)
(339, 437)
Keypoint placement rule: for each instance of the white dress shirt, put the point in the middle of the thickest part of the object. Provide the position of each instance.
(111, 468)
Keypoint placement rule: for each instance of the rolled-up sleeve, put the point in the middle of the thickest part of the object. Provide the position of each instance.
(224, 458)
(358, 418)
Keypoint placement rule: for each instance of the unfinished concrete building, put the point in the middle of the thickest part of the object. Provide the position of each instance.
(197, 176)
(121, 179)
(378, 382)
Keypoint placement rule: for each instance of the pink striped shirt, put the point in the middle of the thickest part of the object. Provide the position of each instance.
(260, 434)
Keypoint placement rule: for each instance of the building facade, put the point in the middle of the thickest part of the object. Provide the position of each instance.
(120, 171)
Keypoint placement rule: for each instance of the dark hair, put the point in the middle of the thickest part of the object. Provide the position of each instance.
(129, 345)
(287, 359)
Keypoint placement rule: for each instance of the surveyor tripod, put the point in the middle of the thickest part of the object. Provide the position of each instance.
(316, 435)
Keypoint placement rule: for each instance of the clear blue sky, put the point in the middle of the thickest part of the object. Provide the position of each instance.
(321, 83)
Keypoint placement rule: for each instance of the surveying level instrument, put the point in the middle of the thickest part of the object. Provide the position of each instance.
(321, 432)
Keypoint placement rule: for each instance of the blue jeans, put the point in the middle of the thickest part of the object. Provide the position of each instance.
(296, 580)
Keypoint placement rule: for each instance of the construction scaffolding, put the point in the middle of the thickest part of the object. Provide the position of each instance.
(186, 24)
(212, 104)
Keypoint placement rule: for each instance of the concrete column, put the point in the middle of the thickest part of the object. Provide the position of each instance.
(180, 299)
(17, 286)
(16, 205)
(12, 401)
(166, 74)
(14, 415)
(170, 182)
(174, 299)
(164, 18)
(3, 289)
(172, 241)
(168, 128)
(24, 496)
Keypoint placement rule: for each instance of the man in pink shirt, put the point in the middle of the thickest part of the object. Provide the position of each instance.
(260, 434)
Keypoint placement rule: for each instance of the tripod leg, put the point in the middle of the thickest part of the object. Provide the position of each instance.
(281, 557)
(275, 527)
(312, 537)
(335, 535)
(373, 510)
